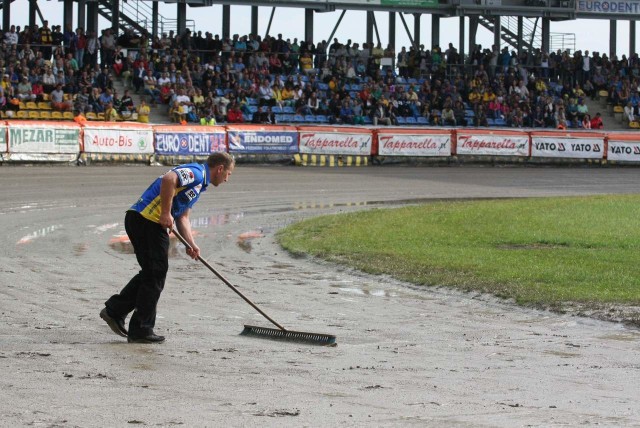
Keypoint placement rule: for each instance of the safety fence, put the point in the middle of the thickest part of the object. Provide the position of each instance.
(29, 141)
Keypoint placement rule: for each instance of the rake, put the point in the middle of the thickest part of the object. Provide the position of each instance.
(280, 333)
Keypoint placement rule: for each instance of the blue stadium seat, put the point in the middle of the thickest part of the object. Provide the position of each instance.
(298, 118)
(422, 120)
(248, 117)
(252, 101)
(323, 86)
(309, 118)
(368, 121)
(356, 87)
(252, 109)
(288, 110)
(287, 118)
(277, 110)
(500, 122)
(411, 120)
(490, 122)
(402, 120)
(469, 113)
(321, 118)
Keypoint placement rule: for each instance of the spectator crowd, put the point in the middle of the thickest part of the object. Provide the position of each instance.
(207, 79)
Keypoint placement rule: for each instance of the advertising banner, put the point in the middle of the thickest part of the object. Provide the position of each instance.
(4, 147)
(115, 138)
(618, 7)
(43, 138)
(187, 141)
(414, 143)
(499, 143)
(335, 141)
(578, 146)
(624, 147)
(262, 139)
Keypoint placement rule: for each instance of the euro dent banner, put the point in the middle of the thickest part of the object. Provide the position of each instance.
(262, 139)
(478, 142)
(335, 141)
(115, 138)
(169, 142)
(578, 146)
(414, 143)
(43, 138)
(623, 7)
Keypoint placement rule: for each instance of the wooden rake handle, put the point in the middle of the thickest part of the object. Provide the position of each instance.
(231, 286)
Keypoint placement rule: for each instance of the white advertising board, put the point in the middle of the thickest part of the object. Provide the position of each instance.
(418, 144)
(335, 143)
(624, 151)
(118, 139)
(470, 143)
(579, 147)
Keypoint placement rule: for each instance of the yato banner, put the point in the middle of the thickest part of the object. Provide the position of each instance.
(624, 151)
(559, 147)
(189, 143)
(263, 142)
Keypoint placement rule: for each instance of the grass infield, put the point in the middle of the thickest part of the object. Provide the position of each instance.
(541, 251)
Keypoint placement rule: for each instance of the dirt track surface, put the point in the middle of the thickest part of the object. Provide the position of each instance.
(405, 356)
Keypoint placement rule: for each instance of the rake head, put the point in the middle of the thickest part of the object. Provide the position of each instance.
(289, 335)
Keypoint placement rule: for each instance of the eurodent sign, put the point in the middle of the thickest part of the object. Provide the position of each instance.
(31, 138)
(118, 139)
(189, 143)
(579, 147)
(262, 141)
(622, 7)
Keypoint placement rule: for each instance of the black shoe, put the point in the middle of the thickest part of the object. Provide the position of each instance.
(150, 338)
(116, 324)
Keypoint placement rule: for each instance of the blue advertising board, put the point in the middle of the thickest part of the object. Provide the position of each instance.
(263, 141)
(189, 143)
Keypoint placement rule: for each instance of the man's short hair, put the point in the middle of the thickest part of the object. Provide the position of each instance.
(221, 158)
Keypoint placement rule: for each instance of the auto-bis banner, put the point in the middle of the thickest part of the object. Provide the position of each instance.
(118, 138)
(262, 139)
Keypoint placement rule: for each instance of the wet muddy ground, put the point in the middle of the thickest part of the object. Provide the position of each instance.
(405, 355)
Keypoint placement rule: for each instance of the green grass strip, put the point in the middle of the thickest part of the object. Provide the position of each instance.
(541, 251)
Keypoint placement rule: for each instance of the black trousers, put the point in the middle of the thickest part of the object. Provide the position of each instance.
(151, 245)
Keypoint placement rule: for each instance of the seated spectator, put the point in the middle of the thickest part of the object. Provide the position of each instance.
(126, 107)
(586, 121)
(176, 113)
(235, 115)
(265, 116)
(81, 102)
(105, 98)
(448, 116)
(346, 112)
(58, 101)
(596, 122)
(151, 88)
(110, 113)
(24, 91)
(480, 116)
(207, 120)
(380, 115)
(143, 112)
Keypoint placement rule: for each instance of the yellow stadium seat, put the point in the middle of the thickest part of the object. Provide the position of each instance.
(45, 97)
(618, 109)
(22, 105)
(56, 115)
(100, 116)
(67, 115)
(34, 114)
(603, 93)
(32, 106)
(46, 115)
(91, 116)
(42, 105)
(67, 97)
(21, 114)
(635, 125)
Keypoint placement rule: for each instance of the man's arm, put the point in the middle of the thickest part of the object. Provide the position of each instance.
(184, 227)
(168, 186)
